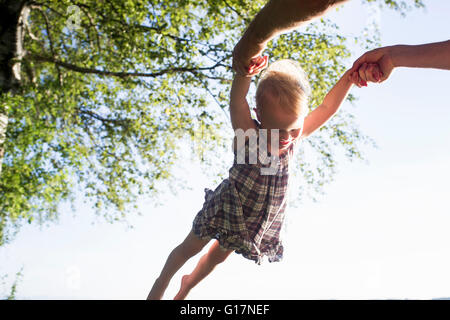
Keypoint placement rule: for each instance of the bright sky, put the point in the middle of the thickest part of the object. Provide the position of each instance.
(380, 231)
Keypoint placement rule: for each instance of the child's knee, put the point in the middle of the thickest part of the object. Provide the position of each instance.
(187, 251)
(191, 246)
(219, 255)
(220, 259)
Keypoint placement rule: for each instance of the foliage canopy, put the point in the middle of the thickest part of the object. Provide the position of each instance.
(110, 88)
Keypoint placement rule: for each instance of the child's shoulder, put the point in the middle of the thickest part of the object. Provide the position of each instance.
(247, 133)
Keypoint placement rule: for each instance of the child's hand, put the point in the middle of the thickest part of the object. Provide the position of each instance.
(257, 65)
(371, 72)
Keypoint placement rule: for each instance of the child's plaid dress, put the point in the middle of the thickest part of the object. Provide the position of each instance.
(246, 211)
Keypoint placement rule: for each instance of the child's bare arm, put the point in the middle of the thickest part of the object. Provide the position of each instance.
(239, 108)
(333, 100)
(330, 105)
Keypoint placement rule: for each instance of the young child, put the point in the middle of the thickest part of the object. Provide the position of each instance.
(245, 212)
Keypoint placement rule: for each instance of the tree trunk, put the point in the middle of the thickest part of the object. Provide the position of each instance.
(13, 14)
(3, 125)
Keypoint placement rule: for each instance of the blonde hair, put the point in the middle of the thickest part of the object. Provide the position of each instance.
(287, 82)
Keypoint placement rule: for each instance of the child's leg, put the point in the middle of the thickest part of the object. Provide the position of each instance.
(204, 267)
(188, 248)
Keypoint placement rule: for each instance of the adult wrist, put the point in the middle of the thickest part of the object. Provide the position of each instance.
(396, 55)
(255, 44)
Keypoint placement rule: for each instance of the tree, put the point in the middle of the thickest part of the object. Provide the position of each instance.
(13, 289)
(91, 89)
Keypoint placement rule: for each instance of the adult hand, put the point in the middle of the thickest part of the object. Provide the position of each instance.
(369, 71)
(382, 57)
(258, 64)
(245, 53)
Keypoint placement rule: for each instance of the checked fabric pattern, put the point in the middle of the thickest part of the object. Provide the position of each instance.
(245, 212)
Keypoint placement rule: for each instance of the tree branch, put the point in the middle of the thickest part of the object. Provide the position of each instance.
(205, 85)
(91, 23)
(94, 115)
(235, 11)
(32, 36)
(76, 68)
(52, 49)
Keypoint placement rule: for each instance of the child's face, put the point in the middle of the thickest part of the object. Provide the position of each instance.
(289, 125)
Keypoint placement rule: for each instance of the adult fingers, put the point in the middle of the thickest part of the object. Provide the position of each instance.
(354, 78)
(376, 72)
(264, 61)
(255, 66)
(369, 57)
(258, 64)
(358, 62)
(254, 71)
(362, 74)
(370, 72)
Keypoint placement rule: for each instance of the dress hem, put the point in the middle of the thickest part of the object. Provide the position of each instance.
(229, 241)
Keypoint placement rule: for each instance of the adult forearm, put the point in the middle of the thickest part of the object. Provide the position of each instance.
(430, 55)
(276, 17)
(280, 16)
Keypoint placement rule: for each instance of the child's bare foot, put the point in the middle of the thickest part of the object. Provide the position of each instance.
(184, 290)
